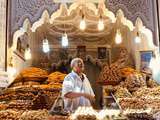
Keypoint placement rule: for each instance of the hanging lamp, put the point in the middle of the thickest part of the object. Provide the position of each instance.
(118, 38)
(82, 24)
(100, 24)
(46, 46)
(137, 38)
(64, 39)
(27, 53)
(10, 69)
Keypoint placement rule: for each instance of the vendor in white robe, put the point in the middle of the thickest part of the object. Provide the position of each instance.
(76, 89)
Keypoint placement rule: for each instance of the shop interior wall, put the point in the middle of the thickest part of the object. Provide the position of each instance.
(2, 33)
(33, 10)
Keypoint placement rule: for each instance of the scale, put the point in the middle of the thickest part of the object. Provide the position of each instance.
(58, 107)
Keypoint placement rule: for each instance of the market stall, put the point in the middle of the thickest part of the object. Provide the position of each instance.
(116, 59)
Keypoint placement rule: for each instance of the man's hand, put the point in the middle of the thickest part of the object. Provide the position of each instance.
(89, 97)
(75, 95)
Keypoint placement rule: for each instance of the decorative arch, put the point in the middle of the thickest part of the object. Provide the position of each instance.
(63, 11)
(45, 17)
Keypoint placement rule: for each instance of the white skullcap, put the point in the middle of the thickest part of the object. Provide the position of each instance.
(75, 61)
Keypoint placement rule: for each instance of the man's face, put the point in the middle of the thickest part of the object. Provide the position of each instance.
(79, 67)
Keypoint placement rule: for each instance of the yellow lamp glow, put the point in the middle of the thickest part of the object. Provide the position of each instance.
(100, 25)
(27, 53)
(137, 38)
(118, 38)
(82, 24)
(45, 46)
(64, 40)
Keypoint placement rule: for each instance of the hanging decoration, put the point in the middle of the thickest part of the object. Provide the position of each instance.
(137, 38)
(100, 24)
(118, 38)
(46, 46)
(64, 40)
(82, 24)
(27, 53)
(10, 69)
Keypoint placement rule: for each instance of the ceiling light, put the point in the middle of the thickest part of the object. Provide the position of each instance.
(82, 25)
(118, 38)
(64, 40)
(100, 24)
(10, 69)
(45, 46)
(27, 53)
(137, 38)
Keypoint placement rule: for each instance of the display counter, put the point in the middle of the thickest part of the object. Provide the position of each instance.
(33, 93)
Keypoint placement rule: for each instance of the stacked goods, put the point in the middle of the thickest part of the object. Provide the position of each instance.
(152, 83)
(132, 103)
(134, 81)
(50, 86)
(10, 115)
(140, 116)
(20, 93)
(30, 97)
(111, 75)
(121, 84)
(58, 117)
(3, 106)
(24, 115)
(141, 92)
(31, 83)
(30, 76)
(20, 104)
(85, 113)
(86, 117)
(15, 84)
(151, 96)
(51, 97)
(34, 115)
(6, 96)
(34, 74)
(139, 103)
(126, 71)
(153, 103)
(147, 93)
(40, 101)
(56, 77)
(122, 93)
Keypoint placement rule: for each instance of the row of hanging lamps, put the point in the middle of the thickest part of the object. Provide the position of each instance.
(137, 38)
(100, 24)
(118, 38)
(45, 46)
(27, 53)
